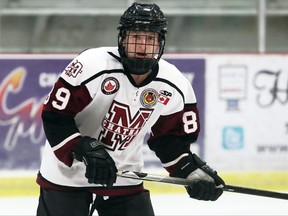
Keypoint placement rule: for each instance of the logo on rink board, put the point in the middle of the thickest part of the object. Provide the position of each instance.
(233, 137)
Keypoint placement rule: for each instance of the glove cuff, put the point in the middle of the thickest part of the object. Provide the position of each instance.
(185, 166)
(85, 144)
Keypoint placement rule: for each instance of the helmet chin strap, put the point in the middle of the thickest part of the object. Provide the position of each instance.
(138, 66)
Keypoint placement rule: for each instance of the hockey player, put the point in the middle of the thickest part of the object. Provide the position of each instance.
(97, 114)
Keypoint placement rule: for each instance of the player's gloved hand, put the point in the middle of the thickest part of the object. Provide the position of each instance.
(206, 184)
(100, 167)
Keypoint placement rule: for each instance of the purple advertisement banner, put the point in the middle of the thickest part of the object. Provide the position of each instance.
(26, 80)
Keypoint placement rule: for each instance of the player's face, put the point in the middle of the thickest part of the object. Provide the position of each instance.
(141, 44)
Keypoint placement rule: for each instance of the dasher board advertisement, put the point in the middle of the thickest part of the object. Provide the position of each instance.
(247, 112)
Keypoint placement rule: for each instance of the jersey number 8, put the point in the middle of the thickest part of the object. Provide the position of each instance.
(190, 122)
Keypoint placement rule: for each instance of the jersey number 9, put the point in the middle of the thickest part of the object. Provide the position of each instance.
(61, 98)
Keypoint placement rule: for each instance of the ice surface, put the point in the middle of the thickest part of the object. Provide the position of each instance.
(175, 204)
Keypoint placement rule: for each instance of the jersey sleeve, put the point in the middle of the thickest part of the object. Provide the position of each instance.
(68, 97)
(173, 133)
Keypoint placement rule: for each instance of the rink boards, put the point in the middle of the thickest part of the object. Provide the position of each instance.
(275, 181)
(243, 101)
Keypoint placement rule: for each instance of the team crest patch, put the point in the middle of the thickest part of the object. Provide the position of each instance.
(110, 85)
(74, 69)
(149, 97)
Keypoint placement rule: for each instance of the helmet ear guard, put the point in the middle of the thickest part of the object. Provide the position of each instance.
(146, 18)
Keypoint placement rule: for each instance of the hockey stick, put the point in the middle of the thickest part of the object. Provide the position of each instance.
(186, 182)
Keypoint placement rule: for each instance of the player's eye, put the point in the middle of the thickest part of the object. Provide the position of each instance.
(150, 37)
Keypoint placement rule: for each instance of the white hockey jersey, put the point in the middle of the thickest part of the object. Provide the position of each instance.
(95, 97)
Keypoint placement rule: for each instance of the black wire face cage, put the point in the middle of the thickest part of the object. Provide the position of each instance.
(141, 37)
(139, 44)
(140, 51)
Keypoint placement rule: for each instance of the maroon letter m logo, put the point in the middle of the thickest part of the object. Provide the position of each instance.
(121, 125)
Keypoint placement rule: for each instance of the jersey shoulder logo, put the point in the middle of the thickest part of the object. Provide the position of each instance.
(110, 85)
(74, 69)
(164, 97)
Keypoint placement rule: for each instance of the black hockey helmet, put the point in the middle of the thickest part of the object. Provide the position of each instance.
(142, 17)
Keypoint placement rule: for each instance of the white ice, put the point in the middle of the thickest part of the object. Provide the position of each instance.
(175, 204)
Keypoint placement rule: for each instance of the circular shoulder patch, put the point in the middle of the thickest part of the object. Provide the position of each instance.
(110, 85)
(149, 97)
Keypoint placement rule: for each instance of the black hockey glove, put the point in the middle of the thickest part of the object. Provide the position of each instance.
(100, 167)
(206, 184)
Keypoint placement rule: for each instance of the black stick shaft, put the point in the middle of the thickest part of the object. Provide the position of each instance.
(257, 192)
(186, 182)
